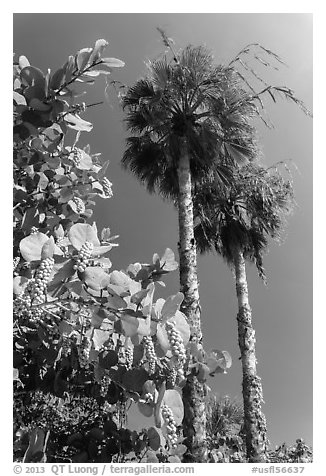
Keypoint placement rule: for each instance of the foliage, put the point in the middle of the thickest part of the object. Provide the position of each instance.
(82, 331)
(299, 452)
(245, 214)
(226, 438)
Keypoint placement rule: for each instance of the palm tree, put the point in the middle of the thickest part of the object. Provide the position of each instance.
(181, 135)
(190, 122)
(237, 221)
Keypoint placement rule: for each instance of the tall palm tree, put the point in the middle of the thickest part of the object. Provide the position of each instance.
(180, 118)
(237, 221)
(190, 122)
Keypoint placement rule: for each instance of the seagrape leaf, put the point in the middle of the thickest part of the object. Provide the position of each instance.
(99, 337)
(144, 326)
(157, 414)
(31, 246)
(84, 160)
(178, 451)
(105, 262)
(203, 372)
(48, 248)
(145, 409)
(99, 46)
(82, 232)
(19, 99)
(219, 361)
(173, 400)
(108, 359)
(119, 278)
(171, 306)
(95, 278)
(167, 261)
(62, 270)
(23, 62)
(154, 439)
(76, 122)
(151, 457)
(68, 68)
(33, 76)
(19, 284)
(57, 79)
(105, 234)
(129, 325)
(139, 296)
(101, 250)
(162, 341)
(174, 459)
(113, 62)
(134, 379)
(182, 326)
(38, 105)
(82, 58)
(101, 68)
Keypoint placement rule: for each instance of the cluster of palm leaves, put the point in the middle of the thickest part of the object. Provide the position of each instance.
(193, 141)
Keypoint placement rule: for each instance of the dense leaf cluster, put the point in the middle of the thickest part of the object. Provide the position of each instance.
(81, 329)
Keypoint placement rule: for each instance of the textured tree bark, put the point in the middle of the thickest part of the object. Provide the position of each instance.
(254, 419)
(194, 423)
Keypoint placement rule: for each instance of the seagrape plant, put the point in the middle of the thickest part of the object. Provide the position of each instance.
(82, 331)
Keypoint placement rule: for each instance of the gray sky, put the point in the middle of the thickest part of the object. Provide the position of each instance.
(282, 311)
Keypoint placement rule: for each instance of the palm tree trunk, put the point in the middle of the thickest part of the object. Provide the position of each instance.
(194, 392)
(254, 419)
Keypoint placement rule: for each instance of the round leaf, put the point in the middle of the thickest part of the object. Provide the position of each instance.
(182, 326)
(154, 439)
(145, 409)
(33, 76)
(31, 246)
(80, 233)
(113, 62)
(134, 379)
(19, 285)
(95, 278)
(173, 400)
(48, 248)
(108, 359)
(129, 325)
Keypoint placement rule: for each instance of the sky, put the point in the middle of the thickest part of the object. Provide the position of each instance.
(282, 310)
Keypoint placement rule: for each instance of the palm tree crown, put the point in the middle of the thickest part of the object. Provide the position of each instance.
(244, 214)
(189, 99)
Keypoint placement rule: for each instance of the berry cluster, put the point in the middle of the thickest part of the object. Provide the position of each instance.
(150, 353)
(80, 206)
(75, 157)
(59, 241)
(105, 382)
(84, 351)
(107, 187)
(170, 425)
(149, 398)
(65, 346)
(41, 280)
(121, 355)
(15, 262)
(176, 342)
(22, 305)
(129, 357)
(172, 376)
(83, 256)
